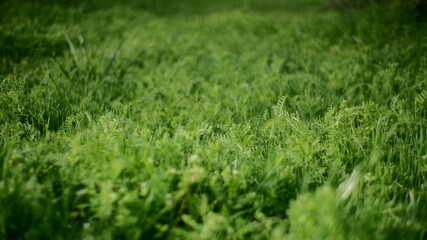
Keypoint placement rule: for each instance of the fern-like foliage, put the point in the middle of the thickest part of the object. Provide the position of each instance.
(420, 101)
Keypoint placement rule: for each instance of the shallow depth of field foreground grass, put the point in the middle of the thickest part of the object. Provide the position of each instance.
(244, 119)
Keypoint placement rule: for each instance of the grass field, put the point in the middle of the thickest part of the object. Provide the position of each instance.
(185, 119)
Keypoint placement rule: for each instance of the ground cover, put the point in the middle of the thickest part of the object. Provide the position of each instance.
(202, 120)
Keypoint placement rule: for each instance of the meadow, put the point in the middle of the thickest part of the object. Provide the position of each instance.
(185, 119)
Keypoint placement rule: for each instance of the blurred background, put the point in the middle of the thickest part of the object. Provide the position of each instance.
(206, 6)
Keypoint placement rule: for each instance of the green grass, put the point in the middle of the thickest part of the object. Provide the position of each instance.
(245, 119)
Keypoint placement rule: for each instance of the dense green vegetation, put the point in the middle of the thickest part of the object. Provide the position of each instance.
(245, 119)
